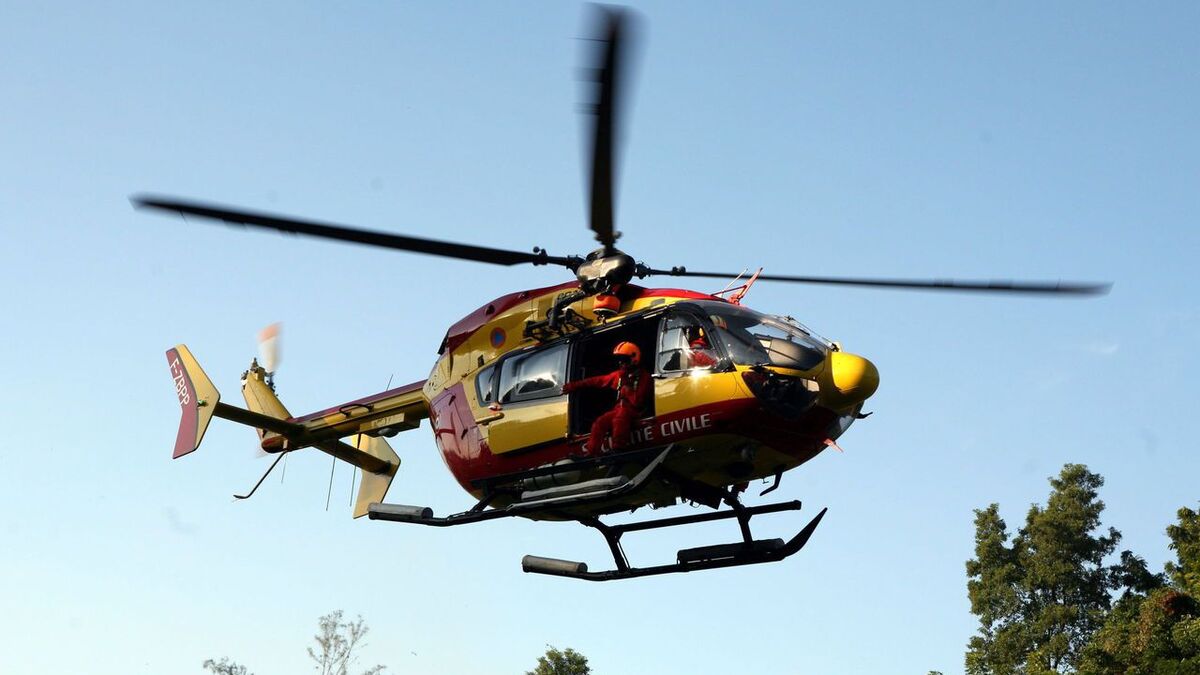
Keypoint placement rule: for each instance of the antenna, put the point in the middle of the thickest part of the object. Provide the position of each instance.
(731, 283)
(329, 493)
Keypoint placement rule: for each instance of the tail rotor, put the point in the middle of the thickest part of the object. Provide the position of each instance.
(269, 351)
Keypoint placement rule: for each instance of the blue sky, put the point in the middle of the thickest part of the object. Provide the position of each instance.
(939, 140)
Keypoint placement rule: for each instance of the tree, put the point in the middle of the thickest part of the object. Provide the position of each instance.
(337, 645)
(337, 641)
(1185, 541)
(225, 667)
(1155, 631)
(1040, 598)
(565, 662)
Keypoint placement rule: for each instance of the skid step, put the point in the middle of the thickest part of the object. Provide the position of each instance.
(585, 487)
(728, 551)
(531, 504)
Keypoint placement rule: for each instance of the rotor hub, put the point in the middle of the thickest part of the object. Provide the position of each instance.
(604, 270)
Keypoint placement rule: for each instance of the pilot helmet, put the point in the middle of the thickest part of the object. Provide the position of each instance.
(628, 351)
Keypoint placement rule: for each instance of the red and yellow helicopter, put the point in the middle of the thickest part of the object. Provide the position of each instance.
(765, 396)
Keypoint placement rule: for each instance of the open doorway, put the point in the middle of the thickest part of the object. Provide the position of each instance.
(593, 355)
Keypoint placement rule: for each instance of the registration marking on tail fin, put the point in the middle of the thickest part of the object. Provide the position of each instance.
(198, 399)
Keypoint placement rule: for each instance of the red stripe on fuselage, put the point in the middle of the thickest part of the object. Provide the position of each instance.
(469, 459)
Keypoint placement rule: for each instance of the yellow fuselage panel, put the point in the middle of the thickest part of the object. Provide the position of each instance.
(526, 425)
(504, 333)
(696, 388)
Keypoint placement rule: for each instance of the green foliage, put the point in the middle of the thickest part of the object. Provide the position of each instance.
(565, 662)
(1040, 598)
(1185, 541)
(1044, 596)
(1133, 575)
(1156, 631)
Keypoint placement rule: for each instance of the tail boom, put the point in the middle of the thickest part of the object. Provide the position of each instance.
(364, 421)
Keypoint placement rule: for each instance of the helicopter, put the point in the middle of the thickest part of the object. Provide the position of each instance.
(736, 395)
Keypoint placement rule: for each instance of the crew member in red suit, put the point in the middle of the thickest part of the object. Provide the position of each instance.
(701, 354)
(634, 386)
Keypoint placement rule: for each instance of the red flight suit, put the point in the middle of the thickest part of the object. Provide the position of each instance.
(634, 385)
(701, 354)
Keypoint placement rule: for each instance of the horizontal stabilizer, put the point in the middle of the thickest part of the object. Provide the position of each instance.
(363, 423)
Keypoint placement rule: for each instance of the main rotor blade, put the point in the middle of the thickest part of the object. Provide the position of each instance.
(401, 242)
(986, 286)
(612, 26)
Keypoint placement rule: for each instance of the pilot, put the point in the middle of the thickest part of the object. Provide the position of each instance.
(700, 353)
(634, 386)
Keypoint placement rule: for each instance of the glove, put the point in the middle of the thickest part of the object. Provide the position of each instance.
(570, 387)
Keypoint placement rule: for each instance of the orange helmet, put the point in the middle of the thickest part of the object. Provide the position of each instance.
(628, 350)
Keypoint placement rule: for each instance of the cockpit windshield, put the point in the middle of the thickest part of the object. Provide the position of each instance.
(753, 339)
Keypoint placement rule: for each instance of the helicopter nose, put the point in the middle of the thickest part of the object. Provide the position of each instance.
(849, 380)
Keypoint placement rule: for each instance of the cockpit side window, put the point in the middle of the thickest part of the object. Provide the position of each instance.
(684, 345)
(485, 385)
(532, 375)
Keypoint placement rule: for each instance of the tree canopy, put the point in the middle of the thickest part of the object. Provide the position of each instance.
(565, 662)
(1185, 541)
(1155, 631)
(337, 648)
(337, 644)
(1039, 598)
(1049, 600)
(225, 667)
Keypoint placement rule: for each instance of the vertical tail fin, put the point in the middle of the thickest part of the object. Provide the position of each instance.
(198, 399)
(374, 485)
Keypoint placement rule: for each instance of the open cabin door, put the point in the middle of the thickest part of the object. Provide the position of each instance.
(527, 386)
(593, 355)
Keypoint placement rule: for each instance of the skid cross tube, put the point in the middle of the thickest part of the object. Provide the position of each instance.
(493, 482)
(793, 505)
(612, 533)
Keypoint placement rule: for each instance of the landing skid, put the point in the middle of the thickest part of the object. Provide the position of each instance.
(558, 501)
(749, 551)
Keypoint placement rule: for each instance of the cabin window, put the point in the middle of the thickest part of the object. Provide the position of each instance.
(532, 375)
(485, 385)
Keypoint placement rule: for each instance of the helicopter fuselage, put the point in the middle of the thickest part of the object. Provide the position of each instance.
(764, 402)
